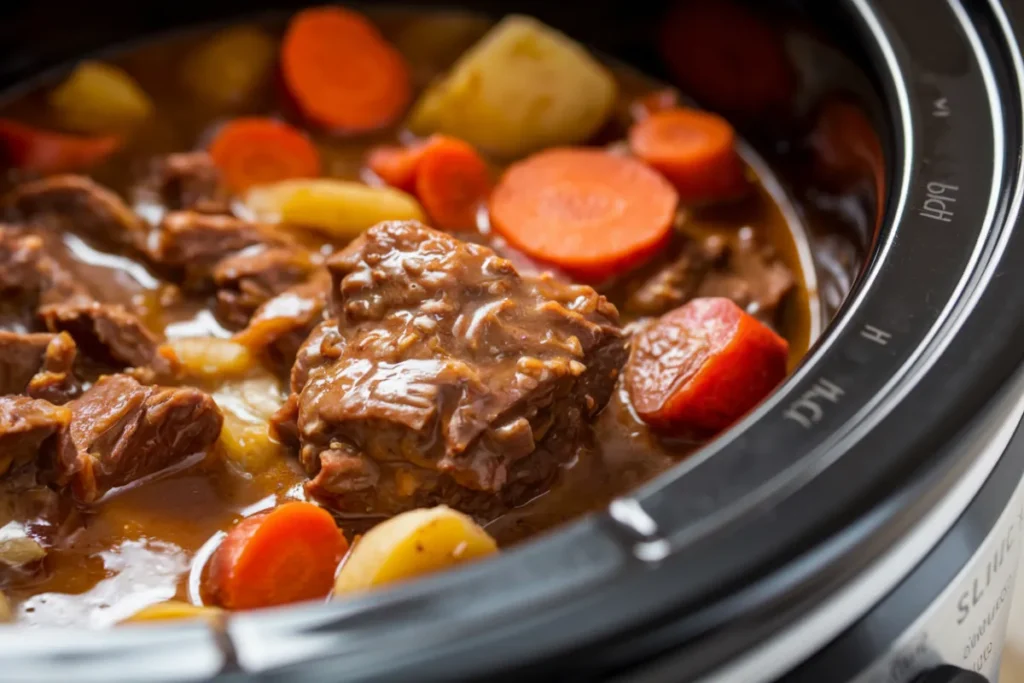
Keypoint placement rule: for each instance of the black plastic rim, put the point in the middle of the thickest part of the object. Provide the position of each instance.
(776, 510)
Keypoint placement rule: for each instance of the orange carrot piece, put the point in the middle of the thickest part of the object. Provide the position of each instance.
(43, 151)
(588, 212)
(695, 150)
(254, 151)
(452, 183)
(278, 557)
(727, 57)
(703, 366)
(395, 165)
(341, 72)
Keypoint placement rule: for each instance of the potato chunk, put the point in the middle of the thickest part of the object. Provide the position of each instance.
(6, 611)
(247, 406)
(100, 98)
(172, 610)
(212, 357)
(230, 67)
(523, 87)
(339, 208)
(413, 544)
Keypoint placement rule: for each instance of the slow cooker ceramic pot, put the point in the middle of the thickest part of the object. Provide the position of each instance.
(863, 524)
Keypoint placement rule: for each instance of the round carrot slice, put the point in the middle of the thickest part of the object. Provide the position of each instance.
(341, 72)
(703, 366)
(452, 183)
(591, 213)
(254, 151)
(396, 165)
(273, 558)
(695, 150)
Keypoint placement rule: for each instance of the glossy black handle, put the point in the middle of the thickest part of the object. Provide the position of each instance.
(950, 674)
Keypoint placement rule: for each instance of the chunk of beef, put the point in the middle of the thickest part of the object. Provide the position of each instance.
(186, 181)
(676, 281)
(448, 377)
(77, 204)
(248, 279)
(195, 242)
(279, 327)
(29, 429)
(122, 431)
(109, 334)
(30, 274)
(38, 364)
(753, 277)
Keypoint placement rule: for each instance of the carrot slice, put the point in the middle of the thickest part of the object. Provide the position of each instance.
(341, 72)
(273, 558)
(727, 57)
(452, 183)
(588, 212)
(702, 366)
(695, 150)
(257, 151)
(395, 165)
(43, 151)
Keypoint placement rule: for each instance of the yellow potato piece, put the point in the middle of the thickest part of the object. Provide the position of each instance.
(247, 406)
(413, 544)
(231, 66)
(212, 357)
(100, 98)
(523, 87)
(339, 208)
(170, 610)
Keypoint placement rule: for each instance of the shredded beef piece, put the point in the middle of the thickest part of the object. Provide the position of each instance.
(753, 277)
(110, 335)
(678, 280)
(186, 181)
(122, 431)
(445, 376)
(30, 274)
(28, 428)
(279, 327)
(248, 279)
(38, 364)
(77, 204)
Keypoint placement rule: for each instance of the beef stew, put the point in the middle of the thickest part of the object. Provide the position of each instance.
(279, 309)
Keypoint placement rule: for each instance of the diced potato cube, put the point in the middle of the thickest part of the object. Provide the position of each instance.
(523, 87)
(212, 357)
(413, 544)
(339, 208)
(100, 98)
(247, 406)
(170, 610)
(230, 67)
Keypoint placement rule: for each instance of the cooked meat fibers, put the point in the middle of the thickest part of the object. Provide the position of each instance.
(448, 377)
(185, 181)
(248, 279)
(39, 365)
(121, 431)
(29, 428)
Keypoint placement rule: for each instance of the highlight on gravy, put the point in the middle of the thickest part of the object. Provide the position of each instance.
(380, 292)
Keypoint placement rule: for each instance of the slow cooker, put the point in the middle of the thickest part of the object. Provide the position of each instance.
(863, 524)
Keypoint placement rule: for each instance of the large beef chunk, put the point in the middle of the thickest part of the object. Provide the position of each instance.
(29, 428)
(248, 279)
(77, 204)
(109, 334)
(186, 180)
(445, 376)
(121, 431)
(38, 364)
